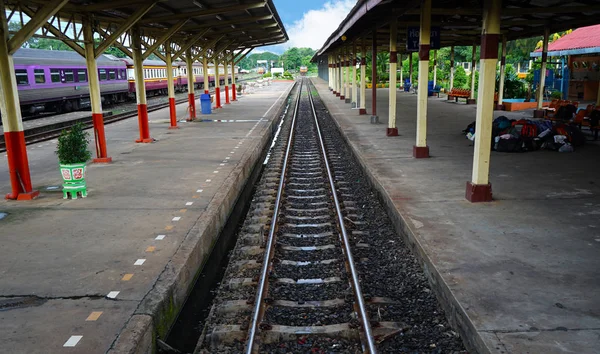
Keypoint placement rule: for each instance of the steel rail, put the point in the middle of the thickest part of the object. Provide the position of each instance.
(355, 284)
(258, 313)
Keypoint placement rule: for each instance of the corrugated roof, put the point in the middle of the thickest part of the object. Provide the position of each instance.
(584, 40)
(584, 37)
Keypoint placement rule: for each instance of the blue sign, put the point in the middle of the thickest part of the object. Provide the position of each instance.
(412, 38)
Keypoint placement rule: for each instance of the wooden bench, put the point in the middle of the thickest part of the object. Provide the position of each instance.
(457, 93)
(437, 90)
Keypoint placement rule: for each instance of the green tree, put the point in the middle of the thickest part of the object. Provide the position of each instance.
(460, 77)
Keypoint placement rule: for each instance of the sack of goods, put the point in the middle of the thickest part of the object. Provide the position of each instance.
(510, 135)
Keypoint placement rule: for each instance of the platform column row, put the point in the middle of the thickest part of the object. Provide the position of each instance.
(354, 83)
(392, 130)
(479, 188)
(95, 97)
(217, 82)
(171, 87)
(140, 88)
(502, 74)
(206, 75)
(226, 73)
(233, 92)
(420, 149)
(363, 79)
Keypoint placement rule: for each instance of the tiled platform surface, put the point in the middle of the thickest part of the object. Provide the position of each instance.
(149, 217)
(521, 274)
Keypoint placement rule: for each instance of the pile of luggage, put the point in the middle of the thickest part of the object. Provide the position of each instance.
(510, 135)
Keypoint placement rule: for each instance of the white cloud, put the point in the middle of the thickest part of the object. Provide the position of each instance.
(313, 29)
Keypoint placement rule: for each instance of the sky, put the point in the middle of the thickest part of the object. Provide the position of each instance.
(308, 22)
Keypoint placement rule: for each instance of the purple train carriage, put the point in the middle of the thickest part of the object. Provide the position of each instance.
(57, 81)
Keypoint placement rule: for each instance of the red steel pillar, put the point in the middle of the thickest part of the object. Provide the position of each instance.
(479, 188)
(140, 87)
(205, 75)
(171, 87)
(14, 137)
(217, 85)
(226, 73)
(233, 93)
(191, 82)
(95, 97)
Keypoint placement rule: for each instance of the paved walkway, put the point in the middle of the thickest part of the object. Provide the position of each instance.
(74, 274)
(518, 275)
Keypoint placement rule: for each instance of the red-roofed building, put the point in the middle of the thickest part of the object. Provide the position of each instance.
(582, 47)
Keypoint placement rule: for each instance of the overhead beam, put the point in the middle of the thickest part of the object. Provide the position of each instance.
(170, 32)
(110, 5)
(57, 33)
(35, 23)
(237, 60)
(244, 20)
(120, 46)
(207, 12)
(206, 47)
(188, 44)
(125, 26)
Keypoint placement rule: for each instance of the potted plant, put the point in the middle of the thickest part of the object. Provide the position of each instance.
(73, 153)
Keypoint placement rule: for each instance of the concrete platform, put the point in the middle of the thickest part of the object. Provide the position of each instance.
(517, 275)
(148, 224)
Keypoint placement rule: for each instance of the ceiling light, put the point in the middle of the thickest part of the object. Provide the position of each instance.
(197, 3)
(219, 18)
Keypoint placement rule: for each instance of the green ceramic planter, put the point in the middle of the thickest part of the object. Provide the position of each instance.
(73, 180)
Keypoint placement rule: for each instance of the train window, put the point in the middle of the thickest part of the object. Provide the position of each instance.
(54, 75)
(81, 75)
(112, 74)
(69, 76)
(123, 76)
(40, 76)
(22, 77)
(102, 74)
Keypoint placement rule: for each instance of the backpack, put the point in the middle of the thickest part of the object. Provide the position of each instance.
(469, 129)
(501, 122)
(560, 129)
(529, 130)
(576, 137)
(510, 145)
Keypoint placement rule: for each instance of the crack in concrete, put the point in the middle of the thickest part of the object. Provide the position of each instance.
(72, 297)
(557, 329)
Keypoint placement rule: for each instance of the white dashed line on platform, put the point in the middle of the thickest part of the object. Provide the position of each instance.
(189, 203)
(112, 294)
(227, 158)
(199, 190)
(139, 261)
(72, 341)
(215, 171)
(208, 180)
(160, 237)
(177, 218)
(221, 164)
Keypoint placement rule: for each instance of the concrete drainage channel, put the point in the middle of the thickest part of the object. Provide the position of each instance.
(184, 334)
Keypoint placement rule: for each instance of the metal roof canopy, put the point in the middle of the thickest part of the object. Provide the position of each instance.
(459, 21)
(227, 24)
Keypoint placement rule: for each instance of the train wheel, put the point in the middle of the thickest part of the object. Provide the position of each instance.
(68, 106)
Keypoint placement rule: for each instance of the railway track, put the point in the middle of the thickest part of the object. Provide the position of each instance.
(293, 283)
(43, 133)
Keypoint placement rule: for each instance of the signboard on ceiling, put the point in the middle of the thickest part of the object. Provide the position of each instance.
(412, 38)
